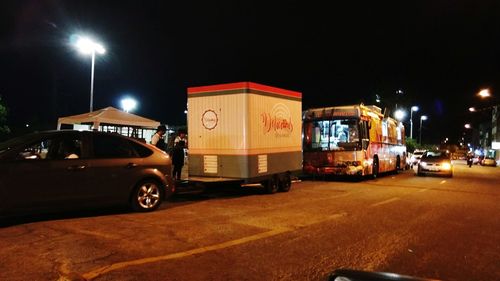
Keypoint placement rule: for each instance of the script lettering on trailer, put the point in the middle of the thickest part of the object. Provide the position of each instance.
(279, 121)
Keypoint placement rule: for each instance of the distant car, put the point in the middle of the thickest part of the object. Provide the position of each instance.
(59, 170)
(489, 161)
(435, 163)
(417, 154)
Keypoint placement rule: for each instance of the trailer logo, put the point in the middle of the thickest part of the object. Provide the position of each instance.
(209, 119)
(278, 120)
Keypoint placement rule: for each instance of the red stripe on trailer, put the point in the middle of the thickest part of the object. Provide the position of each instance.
(243, 85)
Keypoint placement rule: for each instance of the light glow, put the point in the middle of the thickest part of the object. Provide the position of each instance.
(88, 46)
(446, 166)
(399, 114)
(485, 93)
(414, 108)
(128, 104)
(423, 117)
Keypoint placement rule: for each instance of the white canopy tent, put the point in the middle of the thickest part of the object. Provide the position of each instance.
(112, 119)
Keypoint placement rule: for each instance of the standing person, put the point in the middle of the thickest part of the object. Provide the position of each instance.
(470, 159)
(158, 138)
(178, 159)
(181, 137)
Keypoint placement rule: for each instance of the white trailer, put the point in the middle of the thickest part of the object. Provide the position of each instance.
(246, 132)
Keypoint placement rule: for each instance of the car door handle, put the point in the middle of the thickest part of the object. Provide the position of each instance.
(131, 165)
(76, 167)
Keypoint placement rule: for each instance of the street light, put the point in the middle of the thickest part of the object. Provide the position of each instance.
(399, 114)
(485, 93)
(413, 108)
(422, 118)
(128, 104)
(89, 47)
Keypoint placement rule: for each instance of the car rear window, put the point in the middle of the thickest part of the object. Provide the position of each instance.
(108, 146)
(141, 150)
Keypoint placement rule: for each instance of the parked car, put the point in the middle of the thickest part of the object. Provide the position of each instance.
(58, 170)
(435, 163)
(489, 161)
(417, 154)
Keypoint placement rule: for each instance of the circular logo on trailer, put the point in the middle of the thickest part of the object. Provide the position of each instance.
(209, 119)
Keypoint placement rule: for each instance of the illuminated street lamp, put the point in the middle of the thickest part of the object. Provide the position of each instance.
(472, 109)
(485, 93)
(422, 118)
(128, 104)
(399, 114)
(88, 47)
(467, 126)
(413, 108)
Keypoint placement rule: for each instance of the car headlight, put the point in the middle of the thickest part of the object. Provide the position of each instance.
(423, 164)
(446, 166)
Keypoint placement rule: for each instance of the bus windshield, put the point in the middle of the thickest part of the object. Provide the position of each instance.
(336, 134)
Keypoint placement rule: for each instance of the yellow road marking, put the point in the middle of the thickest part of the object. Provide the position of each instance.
(443, 181)
(116, 266)
(105, 269)
(385, 202)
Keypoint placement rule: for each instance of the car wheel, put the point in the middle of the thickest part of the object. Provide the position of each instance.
(146, 196)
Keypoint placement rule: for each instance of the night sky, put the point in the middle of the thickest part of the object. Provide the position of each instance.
(439, 53)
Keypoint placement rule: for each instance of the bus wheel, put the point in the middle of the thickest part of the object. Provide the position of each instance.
(375, 167)
(398, 164)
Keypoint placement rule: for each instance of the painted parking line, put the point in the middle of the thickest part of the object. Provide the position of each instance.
(105, 269)
(120, 265)
(385, 202)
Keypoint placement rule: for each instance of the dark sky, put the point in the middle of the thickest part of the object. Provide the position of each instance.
(440, 53)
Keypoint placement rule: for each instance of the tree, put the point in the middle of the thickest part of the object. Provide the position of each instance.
(4, 129)
(411, 144)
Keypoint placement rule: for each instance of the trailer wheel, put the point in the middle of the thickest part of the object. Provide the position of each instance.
(271, 185)
(285, 182)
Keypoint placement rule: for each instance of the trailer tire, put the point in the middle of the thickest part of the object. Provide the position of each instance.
(271, 185)
(285, 182)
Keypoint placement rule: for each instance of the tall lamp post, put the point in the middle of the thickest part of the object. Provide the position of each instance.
(413, 108)
(88, 47)
(422, 118)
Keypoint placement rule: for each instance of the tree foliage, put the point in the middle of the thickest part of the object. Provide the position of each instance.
(411, 144)
(4, 129)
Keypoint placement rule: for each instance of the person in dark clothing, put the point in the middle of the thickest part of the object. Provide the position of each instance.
(158, 139)
(178, 159)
